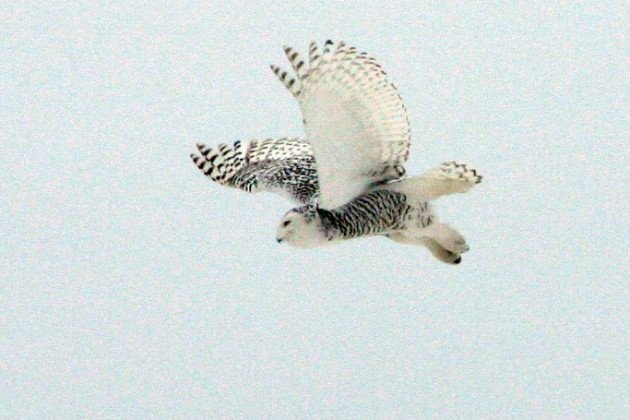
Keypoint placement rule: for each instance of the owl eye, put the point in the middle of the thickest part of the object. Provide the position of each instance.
(286, 223)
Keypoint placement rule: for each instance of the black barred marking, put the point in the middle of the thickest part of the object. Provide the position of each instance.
(375, 213)
(296, 176)
(463, 171)
(286, 166)
(340, 62)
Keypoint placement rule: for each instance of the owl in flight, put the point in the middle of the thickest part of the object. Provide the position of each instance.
(348, 176)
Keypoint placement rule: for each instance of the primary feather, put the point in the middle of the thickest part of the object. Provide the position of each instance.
(284, 166)
(354, 118)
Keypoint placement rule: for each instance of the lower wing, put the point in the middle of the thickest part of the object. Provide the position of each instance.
(283, 166)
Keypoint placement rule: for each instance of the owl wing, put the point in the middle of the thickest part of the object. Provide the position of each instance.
(354, 118)
(284, 166)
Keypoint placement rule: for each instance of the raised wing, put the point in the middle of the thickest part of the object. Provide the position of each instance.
(283, 166)
(355, 120)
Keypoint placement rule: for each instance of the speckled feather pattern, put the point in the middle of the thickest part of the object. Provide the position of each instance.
(358, 77)
(376, 213)
(341, 81)
(349, 174)
(285, 166)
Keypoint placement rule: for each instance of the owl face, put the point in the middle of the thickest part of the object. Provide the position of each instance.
(300, 229)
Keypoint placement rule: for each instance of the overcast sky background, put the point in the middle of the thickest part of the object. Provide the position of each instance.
(132, 286)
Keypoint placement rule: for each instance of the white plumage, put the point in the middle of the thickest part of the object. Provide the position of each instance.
(354, 118)
(349, 172)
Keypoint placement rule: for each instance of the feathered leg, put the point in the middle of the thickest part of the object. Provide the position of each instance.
(437, 250)
(447, 237)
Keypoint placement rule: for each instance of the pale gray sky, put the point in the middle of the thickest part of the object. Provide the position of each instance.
(131, 286)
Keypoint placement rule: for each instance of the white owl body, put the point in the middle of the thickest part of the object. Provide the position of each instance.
(349, 173)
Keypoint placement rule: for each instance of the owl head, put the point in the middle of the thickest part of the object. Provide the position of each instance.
(301, 227)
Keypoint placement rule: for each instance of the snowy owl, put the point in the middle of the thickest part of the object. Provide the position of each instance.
(348, 176)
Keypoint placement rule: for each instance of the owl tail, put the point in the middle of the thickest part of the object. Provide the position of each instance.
(448, 178)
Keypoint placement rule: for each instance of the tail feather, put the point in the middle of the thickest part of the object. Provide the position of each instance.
(456, 172)
(448, 178)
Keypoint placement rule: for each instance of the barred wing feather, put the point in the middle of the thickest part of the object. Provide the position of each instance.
(355, 120)
(284, 166)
